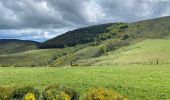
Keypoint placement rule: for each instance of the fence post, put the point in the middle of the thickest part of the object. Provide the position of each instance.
(157, 61)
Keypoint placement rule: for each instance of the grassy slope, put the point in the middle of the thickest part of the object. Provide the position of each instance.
(33, 57)
(136, 82)
(15, 46)
(147, 51)
(84, 53)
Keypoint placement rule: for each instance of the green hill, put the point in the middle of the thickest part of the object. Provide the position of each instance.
(9, 46)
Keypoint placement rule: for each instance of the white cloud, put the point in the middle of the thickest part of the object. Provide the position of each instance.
(94, 12)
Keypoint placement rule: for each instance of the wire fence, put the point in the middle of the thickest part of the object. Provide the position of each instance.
(149, 62)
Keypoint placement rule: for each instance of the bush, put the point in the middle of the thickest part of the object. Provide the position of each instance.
(126, 36)
(104, 36)
(102, 50)
(25, 93)
(59, 92)
(102, 94)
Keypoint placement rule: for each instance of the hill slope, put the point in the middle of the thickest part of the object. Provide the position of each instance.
(41, 57)
(9, 46)
(78, 36)
(38, 57)
(152, 28)
(150, 51)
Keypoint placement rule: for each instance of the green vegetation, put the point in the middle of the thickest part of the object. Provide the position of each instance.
(132, 60)
(24, 93)
(142, 82)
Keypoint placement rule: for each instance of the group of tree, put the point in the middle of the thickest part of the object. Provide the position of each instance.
(85, 35)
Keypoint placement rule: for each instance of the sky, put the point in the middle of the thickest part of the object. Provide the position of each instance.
(40, 20)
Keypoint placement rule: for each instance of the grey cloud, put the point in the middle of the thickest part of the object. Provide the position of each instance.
(48, 15)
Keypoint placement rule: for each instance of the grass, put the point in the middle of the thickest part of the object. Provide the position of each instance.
(85, 53)
(41, 57)
(136, 82)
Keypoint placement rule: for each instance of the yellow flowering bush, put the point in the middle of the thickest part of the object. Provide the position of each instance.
(29, 96)
(59, 92)
(25, 93)
(102, 94)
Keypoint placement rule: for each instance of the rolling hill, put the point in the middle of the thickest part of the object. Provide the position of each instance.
(115, 43)
(9, 46)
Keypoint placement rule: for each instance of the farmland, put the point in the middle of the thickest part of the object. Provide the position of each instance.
(142, 82)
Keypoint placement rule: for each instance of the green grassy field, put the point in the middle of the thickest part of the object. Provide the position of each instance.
(136, 82)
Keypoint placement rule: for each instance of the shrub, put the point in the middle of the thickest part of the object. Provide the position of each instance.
(24, 93)
(102, 94)
(104, 36)
(59, 92)
(5, 92)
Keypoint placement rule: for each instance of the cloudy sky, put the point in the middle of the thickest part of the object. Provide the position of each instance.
(43, 19)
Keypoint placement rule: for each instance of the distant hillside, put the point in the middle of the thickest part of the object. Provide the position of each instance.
(9, 46)
(152, 28)
(78, 36)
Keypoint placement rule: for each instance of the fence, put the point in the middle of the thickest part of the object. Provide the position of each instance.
(149, 62)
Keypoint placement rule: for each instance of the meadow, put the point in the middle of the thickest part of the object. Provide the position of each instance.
(135, 82)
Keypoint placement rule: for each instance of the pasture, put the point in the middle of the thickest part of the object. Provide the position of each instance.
(146, 52)
(135, 82)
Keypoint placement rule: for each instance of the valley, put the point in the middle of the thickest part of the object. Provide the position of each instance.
(131, 59)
